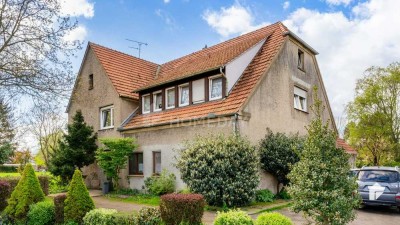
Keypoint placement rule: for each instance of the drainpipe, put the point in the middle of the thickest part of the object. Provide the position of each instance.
(221, 70)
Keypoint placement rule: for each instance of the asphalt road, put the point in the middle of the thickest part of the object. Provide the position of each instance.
(366, 216)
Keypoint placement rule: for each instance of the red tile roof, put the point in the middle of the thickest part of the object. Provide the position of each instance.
(340, 143)
(194, 63)
(125, 72)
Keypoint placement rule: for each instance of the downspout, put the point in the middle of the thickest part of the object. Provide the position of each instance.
(221, 70)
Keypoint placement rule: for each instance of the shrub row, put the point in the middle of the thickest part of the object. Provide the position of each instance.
(145, 216)
(182, 208)
(13, 181)
(4, 194)
(8, 169)
(237, 217)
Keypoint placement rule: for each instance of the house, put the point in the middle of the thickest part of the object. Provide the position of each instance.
(341, 143)
(262, 79)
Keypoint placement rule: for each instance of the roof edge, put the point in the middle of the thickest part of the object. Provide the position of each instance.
(293, 35)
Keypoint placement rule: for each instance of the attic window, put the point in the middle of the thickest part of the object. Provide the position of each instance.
(90, 81)
(170, 98)
(300, 59)
(157, 99)
(146, 103)
(300, 99)
(215, 87)
(184, 95)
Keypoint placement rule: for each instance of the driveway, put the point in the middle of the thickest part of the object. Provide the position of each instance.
(366, 216)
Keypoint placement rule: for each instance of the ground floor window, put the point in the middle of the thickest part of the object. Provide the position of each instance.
(156, 162)
(136, 163)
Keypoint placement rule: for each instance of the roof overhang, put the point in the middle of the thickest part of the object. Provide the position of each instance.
(297, 38)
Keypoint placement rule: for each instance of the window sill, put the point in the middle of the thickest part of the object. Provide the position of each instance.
(301, 69)
(106, 128)
(136, 175)
(301, 111)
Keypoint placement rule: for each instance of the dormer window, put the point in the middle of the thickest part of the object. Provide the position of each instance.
(146, 103)
(157, 101)
(170, 98)
(300, 59)
(215, 88)
(184, 95)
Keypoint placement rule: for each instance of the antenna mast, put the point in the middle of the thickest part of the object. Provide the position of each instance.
(139, 43)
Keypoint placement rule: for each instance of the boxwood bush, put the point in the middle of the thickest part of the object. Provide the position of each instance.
(224, 169)
(233, 217)
(182, 208)
(41, 213)
(273, 219)
(100, 217)
(4, 194)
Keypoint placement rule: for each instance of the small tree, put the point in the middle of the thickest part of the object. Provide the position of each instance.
(224, 169)
(114, 156)
(278, 155)
(7, 132)
(78, 201)
(27, 192)
(76, 150)
(320, 186)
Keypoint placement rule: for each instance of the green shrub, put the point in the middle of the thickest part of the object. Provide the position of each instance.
(283, 195)
(41, 213)
(233, 217)
(122, 219)
(26, 193)
(4, 194)
(59, 208)
(272, 219)
(57, 185)
(13, 181)
(224, 169)
(163, 184)
(178, 208)
(8, 169)
(100, 217)
(71, 223)
(78, 201)
(264, 196)
(149, 216)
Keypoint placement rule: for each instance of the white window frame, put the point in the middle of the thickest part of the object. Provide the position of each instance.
(201, 88)
(144, 96)
(155, 108)
(210, 80)
(299, 97)
(166, 97)
(180, 94)
(111, 107)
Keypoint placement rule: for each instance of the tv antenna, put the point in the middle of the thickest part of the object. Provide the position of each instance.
(139, 44)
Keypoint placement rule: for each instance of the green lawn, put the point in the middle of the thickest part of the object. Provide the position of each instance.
(138, 199)
(18, 174)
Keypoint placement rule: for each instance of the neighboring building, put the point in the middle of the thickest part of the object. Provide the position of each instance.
(340, 143)
(263, 79)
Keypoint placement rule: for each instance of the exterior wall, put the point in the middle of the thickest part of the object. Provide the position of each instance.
(168, 140)
(90, 101)
(272, 106)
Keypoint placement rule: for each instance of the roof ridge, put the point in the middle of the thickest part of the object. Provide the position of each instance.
(108, 48)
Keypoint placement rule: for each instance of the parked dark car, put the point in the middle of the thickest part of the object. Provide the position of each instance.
(379, 186)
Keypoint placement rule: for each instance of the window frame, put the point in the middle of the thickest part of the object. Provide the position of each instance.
(154, 162)
(91, 82)
(180, 94)
(210, 82)
(155, 108)
(166, 97)
(143, 102)
(203, 91)
(111, 108)
(300, 101)
(136, 164)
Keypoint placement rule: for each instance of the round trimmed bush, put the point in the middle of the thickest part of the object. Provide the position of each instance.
(273, 219)
(41, 213)
(4, 194)
(182, 208)
(224, 169)
(233, 217)
(100, 216)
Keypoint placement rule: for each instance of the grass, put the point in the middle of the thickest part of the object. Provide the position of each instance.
(18, 174)
(138, 199)
(279, 207)
(253, 206)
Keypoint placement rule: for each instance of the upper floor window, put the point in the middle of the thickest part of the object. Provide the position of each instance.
(157, 101)
(300, 99)
(146, 103)
(215, 88)
(90, 81)
(300, 59)
(184, 95)
(198, 91)
(136, 163)
(107, 117)
(170, 98)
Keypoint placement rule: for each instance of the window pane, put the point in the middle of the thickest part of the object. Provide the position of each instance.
(216, 88)
(131, 163)
(302, 103)
(146, 103)
(295, 101)
(136, 163)
(158, 101)
(106, 116)
(171, 98)
(140, 162)
(157, 161)
(184, 95)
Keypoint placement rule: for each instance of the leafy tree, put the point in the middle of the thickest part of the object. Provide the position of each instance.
(278, 155)
(114, 156)
(27, 192)
(224, 169)
(77, 148)
(320, 186)
(78, 201)
(374, 114)
(7, 133)
(22, 157)
(34, 51)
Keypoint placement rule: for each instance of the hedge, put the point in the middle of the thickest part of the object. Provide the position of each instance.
(182, 208)
(41, 213)
(13, 181)
(8, 169)
(59, 208)
(4, 194)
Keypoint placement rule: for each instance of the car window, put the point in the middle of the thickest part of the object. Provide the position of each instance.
(378, 176)
(353, 173)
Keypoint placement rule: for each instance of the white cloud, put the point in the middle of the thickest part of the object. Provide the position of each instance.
(167, 18)
(77, 8)
(236, 19)
(286, 5)
(349, 45)
(166, 1)
(338, 2)
(78, 34)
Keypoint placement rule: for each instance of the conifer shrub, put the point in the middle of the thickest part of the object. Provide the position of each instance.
(26, 193)
(59, 208)
(41, 213)
(233, 217)
(4, 194)
(13, 181)
(78, 201)
(224, 169)
(182, 208)
(273, 219)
